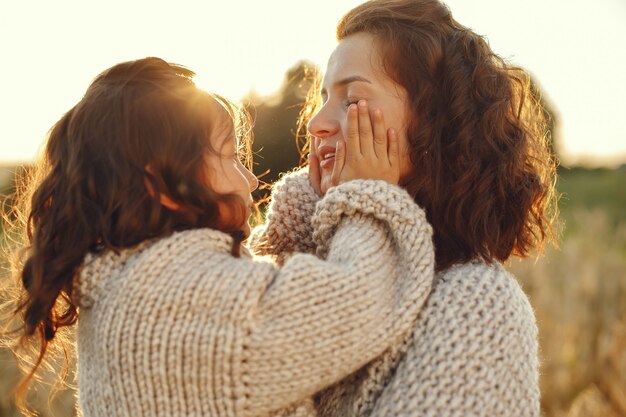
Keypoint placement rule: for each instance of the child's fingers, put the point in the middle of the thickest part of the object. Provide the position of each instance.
(380, 134)
(393, 151)
(340, 159)
(365, 129)
(352, 140)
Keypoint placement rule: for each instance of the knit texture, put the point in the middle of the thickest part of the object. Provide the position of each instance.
(179, 327)
(288, 227)
(472, 352)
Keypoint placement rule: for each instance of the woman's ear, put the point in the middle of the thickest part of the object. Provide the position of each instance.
(164, 199)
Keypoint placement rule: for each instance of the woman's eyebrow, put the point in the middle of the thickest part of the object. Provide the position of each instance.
(348, 80)
(352, 79)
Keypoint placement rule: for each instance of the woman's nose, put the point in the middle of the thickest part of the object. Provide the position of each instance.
(323, 124)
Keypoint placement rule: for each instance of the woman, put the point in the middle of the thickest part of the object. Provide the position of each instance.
(474, 156)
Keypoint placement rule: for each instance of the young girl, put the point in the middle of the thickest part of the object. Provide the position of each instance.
(473, 154)
(135, 233)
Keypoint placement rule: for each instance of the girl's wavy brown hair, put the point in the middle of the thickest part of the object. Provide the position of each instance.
(478, 138)
(142, 125)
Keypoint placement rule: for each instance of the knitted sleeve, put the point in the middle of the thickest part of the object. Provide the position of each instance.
(474, 352)
(288, 226)
(321, 319)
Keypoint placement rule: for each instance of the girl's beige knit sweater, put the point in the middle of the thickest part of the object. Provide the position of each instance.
(179, 327)
(472, 351)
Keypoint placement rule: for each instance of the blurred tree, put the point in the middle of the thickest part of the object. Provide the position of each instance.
(7, 187)
(275, 145)
(6, 179)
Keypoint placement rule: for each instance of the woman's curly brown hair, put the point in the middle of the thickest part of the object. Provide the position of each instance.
(478, 138)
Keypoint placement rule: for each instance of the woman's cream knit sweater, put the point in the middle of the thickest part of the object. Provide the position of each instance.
(472, 352)
(179, 327)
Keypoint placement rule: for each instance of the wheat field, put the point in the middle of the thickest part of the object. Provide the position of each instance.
(579, 297)
(578, 292)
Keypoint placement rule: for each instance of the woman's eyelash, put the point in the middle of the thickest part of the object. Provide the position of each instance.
(347, 103)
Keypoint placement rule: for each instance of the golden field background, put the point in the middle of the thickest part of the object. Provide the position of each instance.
(578, 291)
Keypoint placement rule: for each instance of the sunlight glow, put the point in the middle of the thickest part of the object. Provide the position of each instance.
(242, 46)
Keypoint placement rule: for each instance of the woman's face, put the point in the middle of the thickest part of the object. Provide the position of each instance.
(354, 73)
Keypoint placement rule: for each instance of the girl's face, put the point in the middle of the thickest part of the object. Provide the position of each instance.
(355, 72)
(225, 172)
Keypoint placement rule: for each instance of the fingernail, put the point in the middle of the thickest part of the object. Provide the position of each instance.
(362, 103)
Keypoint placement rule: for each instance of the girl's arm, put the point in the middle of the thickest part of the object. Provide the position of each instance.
(288, 226)
(319, 320)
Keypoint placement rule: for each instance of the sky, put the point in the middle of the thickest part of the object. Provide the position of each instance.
(51, 51)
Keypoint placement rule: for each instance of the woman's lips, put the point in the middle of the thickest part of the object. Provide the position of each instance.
(328, 163)
(326, 156)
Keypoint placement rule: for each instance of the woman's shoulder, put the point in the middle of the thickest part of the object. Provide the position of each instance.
(482, 293)
(479, 318)
(477, 279)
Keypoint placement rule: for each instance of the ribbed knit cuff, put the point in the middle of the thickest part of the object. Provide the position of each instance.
(288, 221)
(376, 198)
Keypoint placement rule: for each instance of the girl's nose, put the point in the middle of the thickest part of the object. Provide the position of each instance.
(252, 180)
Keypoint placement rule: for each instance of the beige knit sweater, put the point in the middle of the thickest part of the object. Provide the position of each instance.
(473, 350)
(179, 327)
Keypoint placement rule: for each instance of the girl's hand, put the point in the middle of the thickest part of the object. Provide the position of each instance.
(315, 176)
(370, 150)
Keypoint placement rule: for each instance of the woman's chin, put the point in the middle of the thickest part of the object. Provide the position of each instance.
(325, 183)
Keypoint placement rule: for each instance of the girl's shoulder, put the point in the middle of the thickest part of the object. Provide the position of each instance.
(170, 258)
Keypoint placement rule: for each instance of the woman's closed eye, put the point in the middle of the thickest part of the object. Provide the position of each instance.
(350, 101)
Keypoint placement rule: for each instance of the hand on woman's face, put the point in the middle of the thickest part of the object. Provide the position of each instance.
(355, 72)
